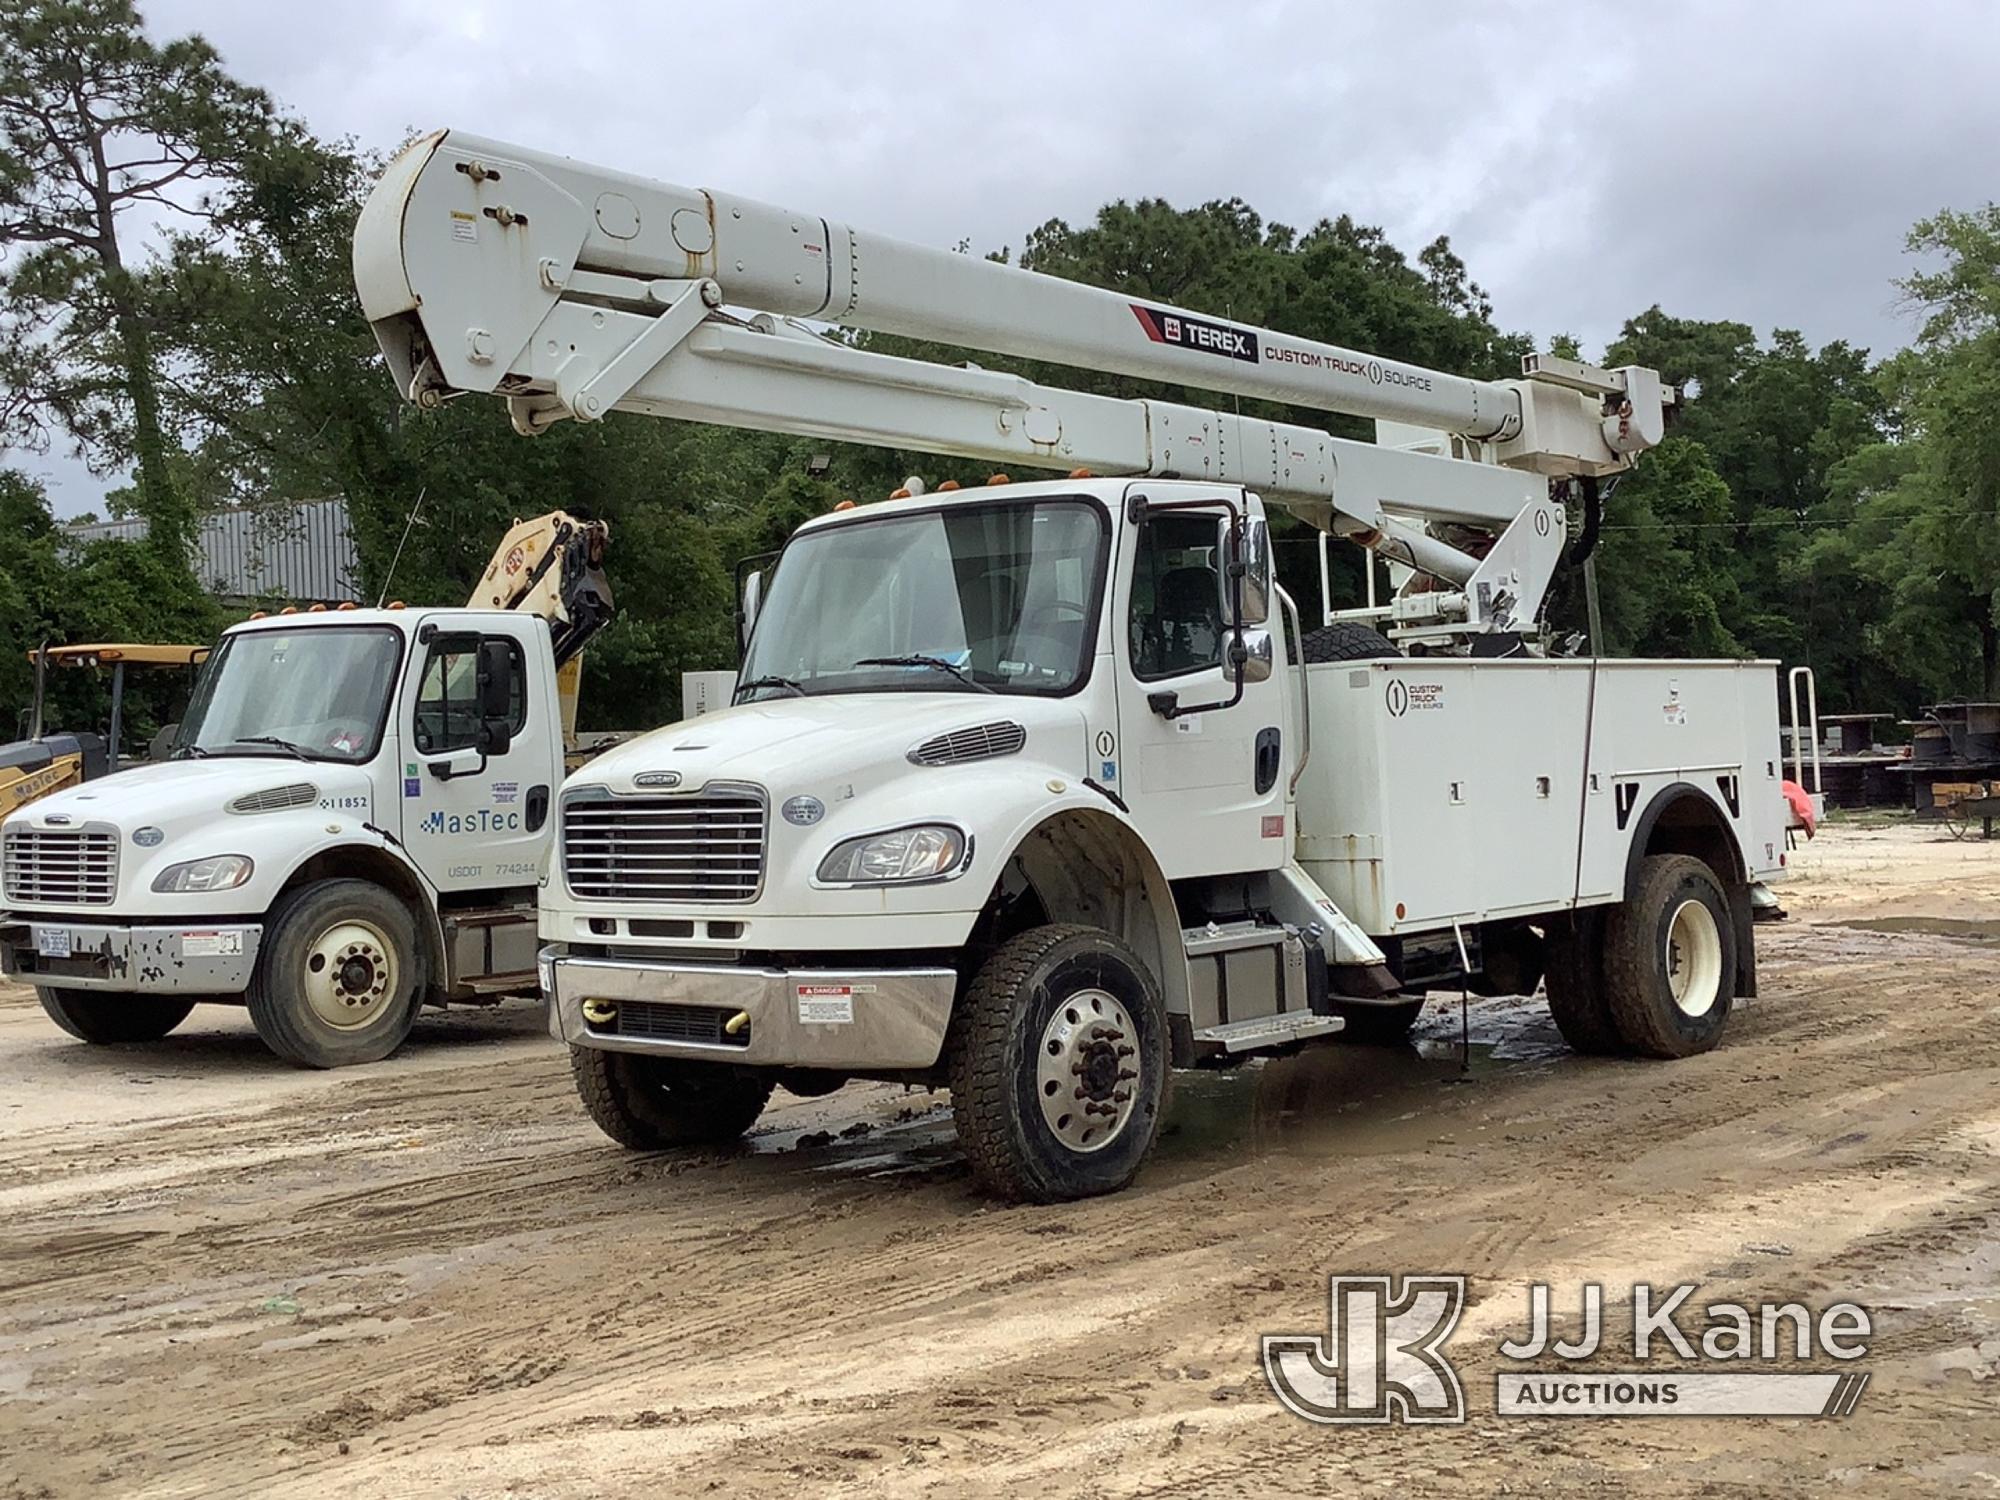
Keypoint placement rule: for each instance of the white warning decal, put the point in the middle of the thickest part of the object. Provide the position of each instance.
(826, 1004)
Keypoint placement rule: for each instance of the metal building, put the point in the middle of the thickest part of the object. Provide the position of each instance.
(300, 551)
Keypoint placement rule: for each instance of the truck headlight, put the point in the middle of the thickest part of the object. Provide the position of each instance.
(928, 851)
(219, 872)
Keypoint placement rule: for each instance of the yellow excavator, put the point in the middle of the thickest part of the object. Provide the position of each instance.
(47, 761)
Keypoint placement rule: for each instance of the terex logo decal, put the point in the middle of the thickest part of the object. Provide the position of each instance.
(1184, 332)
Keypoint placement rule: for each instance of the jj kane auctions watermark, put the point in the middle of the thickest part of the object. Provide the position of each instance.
(1382, 1357)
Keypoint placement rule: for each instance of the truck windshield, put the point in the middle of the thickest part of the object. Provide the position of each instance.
(317, 691)
(993, 597)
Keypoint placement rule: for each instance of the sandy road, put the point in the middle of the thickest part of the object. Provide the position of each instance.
(222, 1277)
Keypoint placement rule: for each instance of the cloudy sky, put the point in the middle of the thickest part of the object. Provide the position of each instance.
(1752, 161)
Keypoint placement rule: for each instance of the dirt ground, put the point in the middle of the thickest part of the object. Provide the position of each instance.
(220, 1276)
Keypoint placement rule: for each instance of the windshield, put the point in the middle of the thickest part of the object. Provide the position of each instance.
(316, 691)
(1003, 596)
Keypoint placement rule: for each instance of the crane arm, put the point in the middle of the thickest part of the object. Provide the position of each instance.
(552, 566)
(572, 291)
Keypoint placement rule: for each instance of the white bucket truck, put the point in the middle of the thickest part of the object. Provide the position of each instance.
(353, 823)
(1039, 790)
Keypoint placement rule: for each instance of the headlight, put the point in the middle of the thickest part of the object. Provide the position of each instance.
(219, 872)
(925, 852)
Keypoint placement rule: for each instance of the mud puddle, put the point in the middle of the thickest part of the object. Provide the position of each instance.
(1963, 929)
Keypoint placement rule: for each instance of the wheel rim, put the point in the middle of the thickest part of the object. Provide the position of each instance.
(1694, 958)
(350, 974)
(1087, 1074)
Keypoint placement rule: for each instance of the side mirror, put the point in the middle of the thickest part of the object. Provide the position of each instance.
(496, 668)
(753, 596)
(752, 575)
(496, 707)
(1251, 655)
(1247, 549)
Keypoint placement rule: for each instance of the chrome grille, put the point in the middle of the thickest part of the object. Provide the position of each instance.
(980, 742)
(706, 847)
(60, 867)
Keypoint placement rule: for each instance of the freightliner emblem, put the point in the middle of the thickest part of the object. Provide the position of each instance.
(657, 778)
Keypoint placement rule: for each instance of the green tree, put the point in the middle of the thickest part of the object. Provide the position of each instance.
(54, 588)
(97, 120)
(1774, 420)
(1951, 385)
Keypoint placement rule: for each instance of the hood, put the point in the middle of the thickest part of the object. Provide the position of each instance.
(782, 742)
(185, 792)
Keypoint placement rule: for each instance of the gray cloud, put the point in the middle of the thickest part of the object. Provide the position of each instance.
(1753, 162)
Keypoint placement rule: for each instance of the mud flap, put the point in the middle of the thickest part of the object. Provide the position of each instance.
(1743, 919)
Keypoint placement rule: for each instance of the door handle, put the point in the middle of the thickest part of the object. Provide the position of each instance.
(538, 807)
(1267, 760)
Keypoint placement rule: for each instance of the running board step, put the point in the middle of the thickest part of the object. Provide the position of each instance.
(1267, 1031)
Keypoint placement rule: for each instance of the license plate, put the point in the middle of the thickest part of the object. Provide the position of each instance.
(53, 942)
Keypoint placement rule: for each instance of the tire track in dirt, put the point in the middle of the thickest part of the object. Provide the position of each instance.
(511, 1302)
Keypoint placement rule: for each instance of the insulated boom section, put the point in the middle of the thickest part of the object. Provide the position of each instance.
(480, 226)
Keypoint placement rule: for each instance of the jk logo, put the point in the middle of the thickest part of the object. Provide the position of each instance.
(1380, 1359)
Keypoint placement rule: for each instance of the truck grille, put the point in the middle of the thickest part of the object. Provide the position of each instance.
(676, 1023)
(59, 867)
(707, 847)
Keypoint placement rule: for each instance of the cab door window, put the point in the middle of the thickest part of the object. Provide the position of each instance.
(448, 698)
(1175, 621)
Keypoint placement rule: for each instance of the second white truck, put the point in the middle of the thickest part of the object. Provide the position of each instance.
(353, 824)
(1039, 791)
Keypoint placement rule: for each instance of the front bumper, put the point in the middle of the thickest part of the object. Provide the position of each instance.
(184, 959)
(854, 1019)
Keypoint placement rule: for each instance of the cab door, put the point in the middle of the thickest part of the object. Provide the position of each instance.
(1206, 783)
(474, 818)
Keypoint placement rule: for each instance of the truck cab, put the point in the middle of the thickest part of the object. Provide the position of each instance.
(351, 825)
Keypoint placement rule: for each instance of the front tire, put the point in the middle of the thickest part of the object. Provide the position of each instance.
(338, 980)
(1670, 959)
(1058, 1065)
(652, 1103)
(106, 1019)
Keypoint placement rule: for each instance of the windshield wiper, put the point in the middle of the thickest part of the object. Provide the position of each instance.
(271, 739)
(926, 661)
(771, 682)
(185, 752)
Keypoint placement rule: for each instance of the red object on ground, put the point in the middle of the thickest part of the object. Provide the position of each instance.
(1802, 807)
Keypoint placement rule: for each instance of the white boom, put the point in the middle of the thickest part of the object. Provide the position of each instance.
(574, 291)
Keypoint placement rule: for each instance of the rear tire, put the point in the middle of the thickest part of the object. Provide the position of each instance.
(1058, 1064)
(1344, 640)
(1670, 959)
(108, 1018)
(1574, 980)
(338, 980)
(652, 1103)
